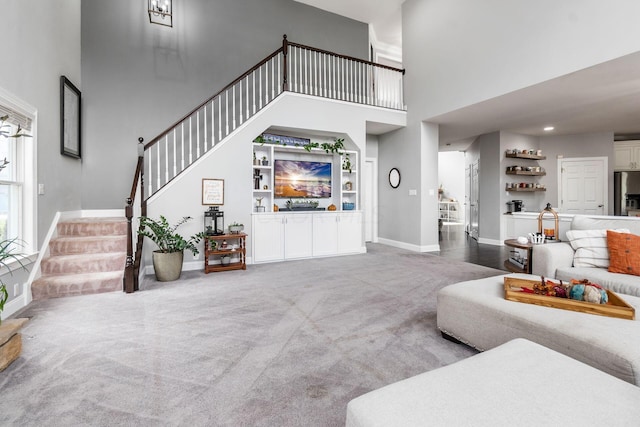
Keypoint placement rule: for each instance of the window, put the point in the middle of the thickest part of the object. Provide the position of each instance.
(17, 172)
(11, 181)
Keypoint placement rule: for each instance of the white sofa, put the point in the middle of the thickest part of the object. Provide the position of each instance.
(556, 260)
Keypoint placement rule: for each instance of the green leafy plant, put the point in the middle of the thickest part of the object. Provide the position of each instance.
(8, 253)
(165, 236)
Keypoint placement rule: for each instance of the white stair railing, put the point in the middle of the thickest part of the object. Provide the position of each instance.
(293, 67)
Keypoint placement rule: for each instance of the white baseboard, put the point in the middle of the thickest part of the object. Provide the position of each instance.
(409, 246)
(17, 303)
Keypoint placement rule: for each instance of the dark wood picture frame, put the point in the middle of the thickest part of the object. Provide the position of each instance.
(70, 119)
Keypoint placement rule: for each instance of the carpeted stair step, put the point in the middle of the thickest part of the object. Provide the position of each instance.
(89, 263)
(88, 256)
(93, 227)
(76, 284)
(87, 245)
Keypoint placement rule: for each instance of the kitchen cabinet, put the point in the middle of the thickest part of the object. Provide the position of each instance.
(627, 155)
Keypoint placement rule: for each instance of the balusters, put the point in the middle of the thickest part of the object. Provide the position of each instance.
(190, 140)
(246, 85)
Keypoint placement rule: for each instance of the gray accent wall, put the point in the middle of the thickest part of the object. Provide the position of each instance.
(140, 78)
(42, 42)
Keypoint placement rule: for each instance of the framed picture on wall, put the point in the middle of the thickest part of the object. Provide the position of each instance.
(212, 191)
(70, 119)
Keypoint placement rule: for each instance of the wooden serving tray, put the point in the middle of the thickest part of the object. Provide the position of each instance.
(616, 307)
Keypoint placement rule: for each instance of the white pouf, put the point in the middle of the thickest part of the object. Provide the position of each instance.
(518, 383)
(476, 313)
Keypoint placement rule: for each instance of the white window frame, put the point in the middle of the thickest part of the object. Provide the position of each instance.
(26, 168)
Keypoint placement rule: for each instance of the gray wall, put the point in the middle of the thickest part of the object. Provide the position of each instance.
(42, 40)
(569, 146)
(534, 201)
(445, 71)
(521, 43)
(140, 78)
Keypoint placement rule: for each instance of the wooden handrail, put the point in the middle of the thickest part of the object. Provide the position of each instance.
(230, 85)
(136, 178)
(351, 58)
(130, 280)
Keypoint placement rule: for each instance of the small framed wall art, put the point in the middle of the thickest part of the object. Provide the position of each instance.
(212, 191)
(70, 119)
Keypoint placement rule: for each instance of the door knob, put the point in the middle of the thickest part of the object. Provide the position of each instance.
(601, 206)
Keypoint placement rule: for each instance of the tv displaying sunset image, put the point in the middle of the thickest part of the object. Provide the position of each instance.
(295, 178)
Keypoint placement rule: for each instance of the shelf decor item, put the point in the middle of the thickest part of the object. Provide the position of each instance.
(212, 191)
(236, 228)
(548, 234)
(214, 221)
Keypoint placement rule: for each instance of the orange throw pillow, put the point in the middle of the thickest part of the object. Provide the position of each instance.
(624, 253)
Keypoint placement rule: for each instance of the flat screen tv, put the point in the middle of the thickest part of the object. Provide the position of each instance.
(296, 178)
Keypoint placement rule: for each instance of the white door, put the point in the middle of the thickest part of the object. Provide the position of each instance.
(369, 199)
(467, 198)
(583, 188)
(474, 203)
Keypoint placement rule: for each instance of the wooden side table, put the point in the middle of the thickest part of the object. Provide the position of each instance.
(515, 268)
(236, 247)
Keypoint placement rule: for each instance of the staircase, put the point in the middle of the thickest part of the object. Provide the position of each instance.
(87, 257)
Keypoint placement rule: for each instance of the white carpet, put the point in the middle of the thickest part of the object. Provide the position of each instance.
(284, 344)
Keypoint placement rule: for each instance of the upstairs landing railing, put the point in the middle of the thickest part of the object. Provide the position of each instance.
(292, 67)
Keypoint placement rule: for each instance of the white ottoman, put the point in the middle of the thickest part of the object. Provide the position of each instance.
(519, 383)
(476, 313)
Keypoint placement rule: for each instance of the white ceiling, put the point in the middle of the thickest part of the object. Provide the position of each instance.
(602, 98)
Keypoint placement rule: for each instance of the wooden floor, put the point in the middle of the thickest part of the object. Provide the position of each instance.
(456, 244)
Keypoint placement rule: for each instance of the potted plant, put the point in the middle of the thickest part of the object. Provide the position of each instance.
(236, 228)
(346, 164)
(10, 338)
(8, 254)
(167, 260)
(256, 162)
(265, 162)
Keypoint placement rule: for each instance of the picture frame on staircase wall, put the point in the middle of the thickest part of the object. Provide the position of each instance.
(212, 192)
(70, 119)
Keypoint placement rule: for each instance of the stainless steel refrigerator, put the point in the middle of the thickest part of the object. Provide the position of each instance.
(626, 193)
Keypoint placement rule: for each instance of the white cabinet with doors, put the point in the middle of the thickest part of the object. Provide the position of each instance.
(627, 155)
(279, 236)
(268, 237)
(337, 233)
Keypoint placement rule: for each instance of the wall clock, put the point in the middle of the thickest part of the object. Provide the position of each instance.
(394, 177)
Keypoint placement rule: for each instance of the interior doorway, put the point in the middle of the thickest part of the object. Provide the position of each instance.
(474, 199)
(583, 188)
